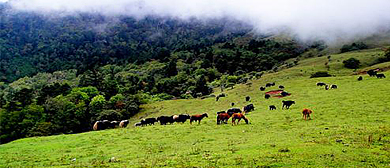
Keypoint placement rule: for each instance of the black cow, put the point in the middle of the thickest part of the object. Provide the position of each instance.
(326, 87)
(267, 96)
(220, 95)
(333, 86)
(113, 124)
(321, 84)
(272, 107)
(123, 123)
(360, 78)
(372, 72)
(101, 125)
(281, 87)
(249, 108)
(380, 76)
(148, 121)
(138, 124)
(221, 112)
(165, 119)
(268, 85)
(233, 110)
(181, 118)
(262, 88)
(284, 94)
(248, 98)
(232, 104)
(287, 104)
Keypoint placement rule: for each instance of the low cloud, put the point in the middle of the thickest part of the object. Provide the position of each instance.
(329, 20)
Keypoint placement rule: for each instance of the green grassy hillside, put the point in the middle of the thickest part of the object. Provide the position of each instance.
(350, 128)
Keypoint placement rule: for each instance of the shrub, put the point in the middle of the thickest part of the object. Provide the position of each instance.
(351, 63)
(320, 74)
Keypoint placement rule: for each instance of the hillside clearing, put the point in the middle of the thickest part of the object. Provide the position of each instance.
(350, 128)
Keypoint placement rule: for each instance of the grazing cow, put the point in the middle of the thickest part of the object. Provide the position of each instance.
(267, 96)
(360, 78)
(221, 112)
(113, 124)
(273, 83)
(123, 123)
(97, 126)
(326, 87)
(148, 121)
(232, 104)
(281, 87)
(101, 125)
(306, 113)
(272, 107)
(333, 86)
(220, 95)
(165, 119)
(138, 124)
(262, 88)
(380, 76)
(238, 116)
(198, 117)
(270, 84)
(287, 104)
(233, 110)
(284, 94)
(249, 108)
(321, 84)
(372, 72)
(223, 117)
(181, 118)
(248, 98)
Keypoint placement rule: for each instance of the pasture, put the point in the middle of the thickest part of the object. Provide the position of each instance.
(350, 128)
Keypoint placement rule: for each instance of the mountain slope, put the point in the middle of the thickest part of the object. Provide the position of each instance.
(349, 128)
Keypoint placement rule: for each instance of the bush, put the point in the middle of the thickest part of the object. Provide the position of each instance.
(320, 74)
(351, 63)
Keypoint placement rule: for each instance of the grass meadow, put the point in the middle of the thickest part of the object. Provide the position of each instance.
(350, 127)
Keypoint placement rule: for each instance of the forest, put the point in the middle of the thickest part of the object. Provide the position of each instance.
(60, 74)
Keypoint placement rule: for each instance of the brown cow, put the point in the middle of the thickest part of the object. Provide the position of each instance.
(238, 116)
(306, 113)
(198, 117)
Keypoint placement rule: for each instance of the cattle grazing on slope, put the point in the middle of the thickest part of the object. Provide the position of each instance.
(198, 117)
(380, 76)
(222, 117)
(372, 72)
(233, 110)
(249, 108)
(267, 96)
(333, 86)
(248, 98)
(306, 113)
(272, 107)
(281, 87)
(148, 121)
(123, 123)
(138, 124)
(181, 118)
(113, 124)
(321, 84)
(287, 104)
(238, 116)
(326, 87)
(284, 94)
(101, 125)
(360, 78)
(262, 88)
(165, 119)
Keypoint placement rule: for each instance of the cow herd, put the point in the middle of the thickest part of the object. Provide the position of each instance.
(223, 116)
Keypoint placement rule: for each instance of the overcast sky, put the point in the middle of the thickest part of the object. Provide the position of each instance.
(326, 19)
